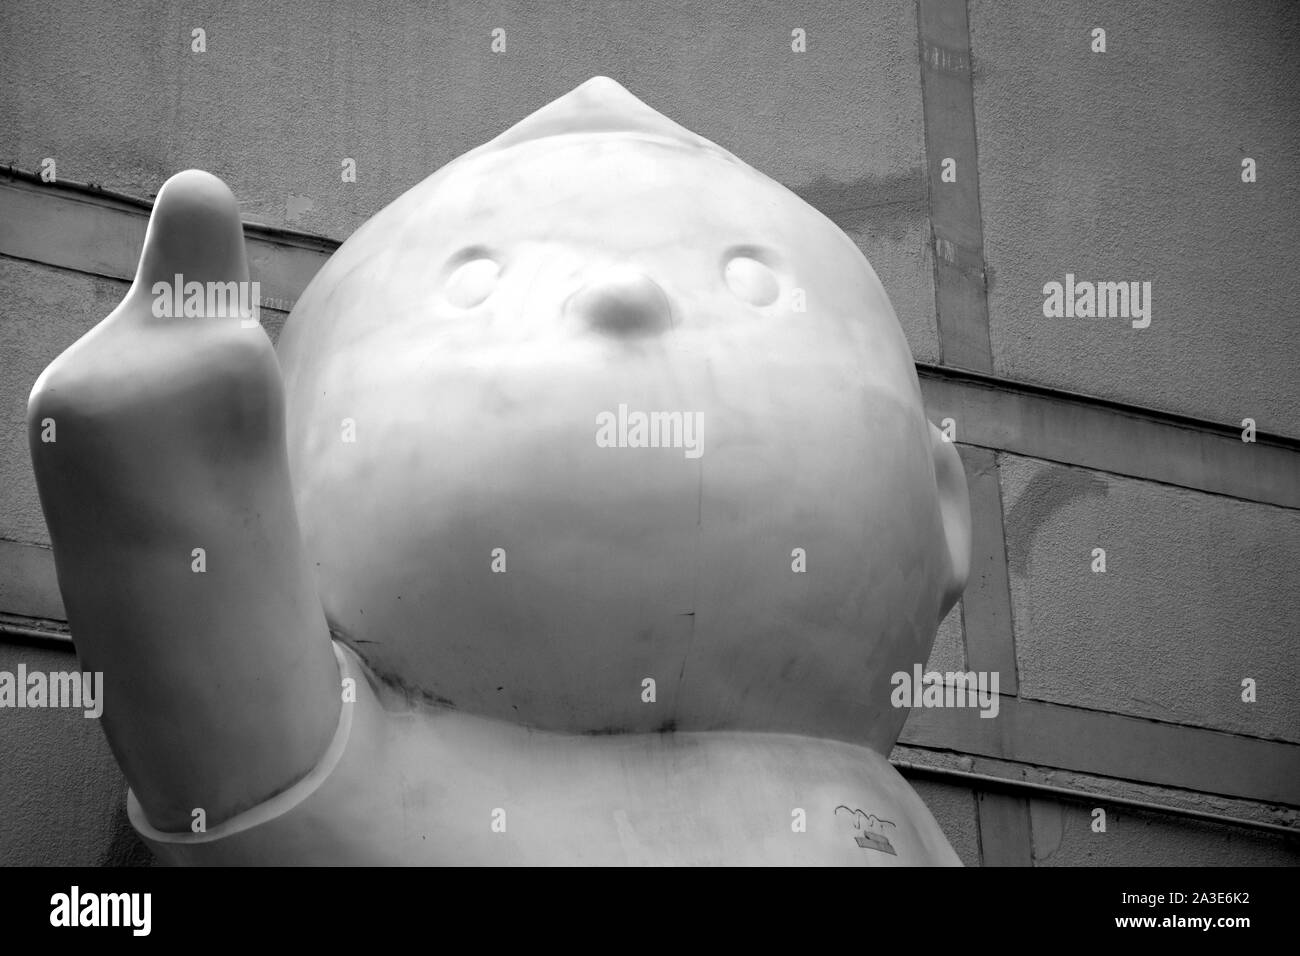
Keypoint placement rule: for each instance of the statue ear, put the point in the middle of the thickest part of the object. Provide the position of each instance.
(954, 505)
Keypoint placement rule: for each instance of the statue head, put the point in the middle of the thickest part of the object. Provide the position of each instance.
(598, 404)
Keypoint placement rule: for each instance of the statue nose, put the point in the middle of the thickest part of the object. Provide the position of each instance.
(622, 301)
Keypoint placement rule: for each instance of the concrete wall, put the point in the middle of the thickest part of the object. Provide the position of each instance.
(1122, 165)
(1127, 166)
(62, 798)
(114, 94)
(1199, 592)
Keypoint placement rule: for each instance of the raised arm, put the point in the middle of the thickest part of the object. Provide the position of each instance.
(158, 446)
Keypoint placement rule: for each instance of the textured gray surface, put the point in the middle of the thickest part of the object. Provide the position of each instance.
(1126, 166)
(63, 800)
(949, 652)
(283, 94)
(1199, 592)
(42, 312)
(954, 810)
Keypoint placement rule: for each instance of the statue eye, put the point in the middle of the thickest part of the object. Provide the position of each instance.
(751, 281)
(472, 282)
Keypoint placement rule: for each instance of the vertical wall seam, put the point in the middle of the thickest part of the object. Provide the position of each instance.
(1006, 565)
(956, 223)
(962, 324)
(988, 631)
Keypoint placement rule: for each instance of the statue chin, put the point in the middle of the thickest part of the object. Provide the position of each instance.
(616, 492)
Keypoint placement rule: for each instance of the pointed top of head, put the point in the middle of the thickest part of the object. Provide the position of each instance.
(600, 105)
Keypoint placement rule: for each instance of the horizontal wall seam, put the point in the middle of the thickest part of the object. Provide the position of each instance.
(1041, 734)
(1121, 746)
(137, 206)
(1035, 390)
(1103, 436)
(284, 262)
(19, 180)
(45, 635)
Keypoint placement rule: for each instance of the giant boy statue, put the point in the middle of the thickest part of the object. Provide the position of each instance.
(581, 517)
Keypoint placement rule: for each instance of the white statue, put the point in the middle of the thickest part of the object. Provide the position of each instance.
(583, 518)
